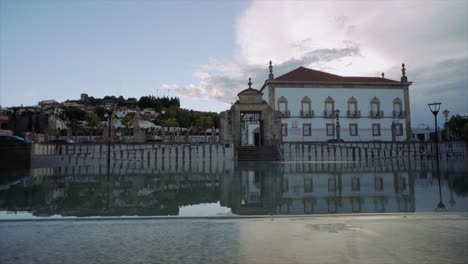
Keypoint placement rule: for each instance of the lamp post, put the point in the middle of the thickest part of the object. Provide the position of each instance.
(337, 114)
(435, 107)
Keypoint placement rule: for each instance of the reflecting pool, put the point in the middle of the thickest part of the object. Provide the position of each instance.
(61, 186)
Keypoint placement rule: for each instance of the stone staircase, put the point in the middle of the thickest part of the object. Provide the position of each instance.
(258, 153)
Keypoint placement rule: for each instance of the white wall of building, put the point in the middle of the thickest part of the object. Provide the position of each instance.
(341, 96)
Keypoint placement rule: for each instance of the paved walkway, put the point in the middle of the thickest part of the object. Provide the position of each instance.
(397, 238)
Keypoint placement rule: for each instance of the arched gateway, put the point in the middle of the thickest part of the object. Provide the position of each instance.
(252, 127)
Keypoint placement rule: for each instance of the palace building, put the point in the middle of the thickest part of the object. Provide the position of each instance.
(320, 106)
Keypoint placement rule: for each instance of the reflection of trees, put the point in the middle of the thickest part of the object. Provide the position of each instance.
(460, 184)
(89, 199)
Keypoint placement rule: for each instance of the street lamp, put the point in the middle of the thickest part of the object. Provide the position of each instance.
(435, 107)
(337, 114)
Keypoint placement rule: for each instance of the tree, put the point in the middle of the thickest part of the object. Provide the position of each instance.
(456, 126)
(93, 122)
(127, 121)
(74, 114)
(100, 112)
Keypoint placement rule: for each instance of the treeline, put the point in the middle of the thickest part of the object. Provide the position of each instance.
(150, 101)
(170, 113)
(179, 117)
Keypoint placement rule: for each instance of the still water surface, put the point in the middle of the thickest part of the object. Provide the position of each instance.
(75, 187)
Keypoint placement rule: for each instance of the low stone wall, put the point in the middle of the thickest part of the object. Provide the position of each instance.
(137, 157)
(356, 151)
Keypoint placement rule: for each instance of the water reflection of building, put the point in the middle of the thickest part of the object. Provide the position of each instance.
(271, 190)
(346, 193)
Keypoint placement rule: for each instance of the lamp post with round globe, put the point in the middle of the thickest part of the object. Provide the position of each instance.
(435, 107)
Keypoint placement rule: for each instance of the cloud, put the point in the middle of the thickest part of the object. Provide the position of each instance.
(223, 80)
(347, 38)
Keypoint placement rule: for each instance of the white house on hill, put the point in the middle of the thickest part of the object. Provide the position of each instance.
(319, 106)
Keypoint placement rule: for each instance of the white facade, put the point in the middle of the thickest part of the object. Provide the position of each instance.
(371, 110)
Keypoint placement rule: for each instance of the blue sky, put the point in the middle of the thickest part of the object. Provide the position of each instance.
(204, 51)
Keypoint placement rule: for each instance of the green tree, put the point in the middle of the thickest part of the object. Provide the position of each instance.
(127, 121)
(100, 112)
(74, 113)
(93, 122)
(456, 126)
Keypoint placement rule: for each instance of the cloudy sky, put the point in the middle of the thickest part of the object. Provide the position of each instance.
(205, 51)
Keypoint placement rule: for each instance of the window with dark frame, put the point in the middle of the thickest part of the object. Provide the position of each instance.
(352, 107)
(353, 130)
(283, 105)
(399, 129)
(375, 107)
(397, 107)
(378, 186)
(331, 184)
(308, 185)
(330, 129)
(284, 130)
(375, 129)
(329, 107)
(306, 130)
(355, 184)
(306, 107)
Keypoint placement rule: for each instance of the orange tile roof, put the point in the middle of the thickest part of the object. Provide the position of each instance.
(303, 74)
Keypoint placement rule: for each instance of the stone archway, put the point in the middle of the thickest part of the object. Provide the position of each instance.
(250, 122)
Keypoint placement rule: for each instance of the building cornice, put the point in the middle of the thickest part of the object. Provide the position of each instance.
(315, 84)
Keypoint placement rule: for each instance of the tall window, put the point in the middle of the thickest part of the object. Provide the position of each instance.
(375, 129)
(285, 185)
(378, 184)
(283, 105)
(397, 109)
(308, 185)
(331, 184)
(375, 108)
(353, 130)
(305, 107)
(306, 130)
(399, 129)
(355, 184)
(284, 130)
(330, 129)
(329, 107)
(352, 107)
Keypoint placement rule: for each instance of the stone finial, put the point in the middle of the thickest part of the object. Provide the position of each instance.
(383, 75)
(250, 83)
(404, 79)
(270, 76)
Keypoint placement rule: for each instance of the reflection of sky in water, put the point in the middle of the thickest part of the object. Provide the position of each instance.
(222, 188)
(211, 209)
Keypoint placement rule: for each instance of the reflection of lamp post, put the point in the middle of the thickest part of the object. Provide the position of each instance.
(163, 111)
(109, 115)
(337, 114)
(435, 107)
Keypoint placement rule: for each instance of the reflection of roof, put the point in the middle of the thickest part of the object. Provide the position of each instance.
(303, 74)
